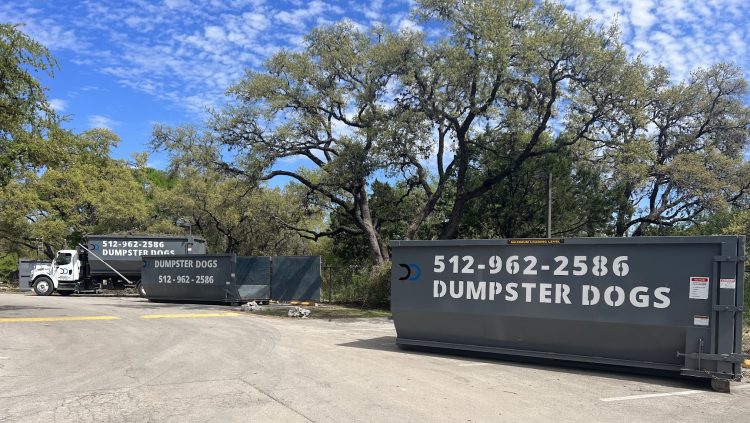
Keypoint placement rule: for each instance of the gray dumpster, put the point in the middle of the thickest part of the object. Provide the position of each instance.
(295, 278)
(254, 278)
(209, 277)
(124, 252)
(25, 266)
(667, 303)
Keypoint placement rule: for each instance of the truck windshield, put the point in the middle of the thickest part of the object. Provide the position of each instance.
(63, 259)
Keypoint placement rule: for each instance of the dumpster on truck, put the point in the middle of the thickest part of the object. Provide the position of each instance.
(124, 252)
(667, 303)
(107, 262)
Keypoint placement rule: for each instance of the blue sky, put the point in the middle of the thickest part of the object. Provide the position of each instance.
(128, 64)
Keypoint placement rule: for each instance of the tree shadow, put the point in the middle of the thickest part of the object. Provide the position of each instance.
(651, 376)
(141, 303)
(17, 307)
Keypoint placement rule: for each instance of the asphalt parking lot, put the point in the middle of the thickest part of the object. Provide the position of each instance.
(99, 359)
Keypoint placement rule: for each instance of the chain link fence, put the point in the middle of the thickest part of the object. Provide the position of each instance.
(362, 285)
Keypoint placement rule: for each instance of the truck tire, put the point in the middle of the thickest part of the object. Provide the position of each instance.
(64, 293)
(43, 286)
(141, 291)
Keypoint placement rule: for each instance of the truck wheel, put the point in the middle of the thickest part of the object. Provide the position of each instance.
(64, 293)
(43, 286)
(141, 290)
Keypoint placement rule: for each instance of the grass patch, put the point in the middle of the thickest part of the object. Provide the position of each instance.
(327, 312)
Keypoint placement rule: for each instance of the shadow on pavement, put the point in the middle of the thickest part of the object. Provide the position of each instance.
(145, 304)
(654, 377)
(17, 307)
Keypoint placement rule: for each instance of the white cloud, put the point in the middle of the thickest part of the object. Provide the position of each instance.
(57, 104)
(641, 13)
(681, 35)
(45, 30)
(99, 121)
(188, 52)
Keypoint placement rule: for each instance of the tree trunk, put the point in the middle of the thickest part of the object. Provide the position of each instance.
(427, 210)
(450, 229)
(365, 223)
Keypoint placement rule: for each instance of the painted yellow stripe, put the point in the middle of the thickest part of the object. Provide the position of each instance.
(54, 319)
(187, 315)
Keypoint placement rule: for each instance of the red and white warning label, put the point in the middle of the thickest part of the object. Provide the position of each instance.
(699, 287)
(727, 283)
(700, 320)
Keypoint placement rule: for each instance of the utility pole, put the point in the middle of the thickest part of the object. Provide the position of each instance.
(549, 205)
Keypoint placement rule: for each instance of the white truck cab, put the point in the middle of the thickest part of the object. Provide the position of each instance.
(61, 275)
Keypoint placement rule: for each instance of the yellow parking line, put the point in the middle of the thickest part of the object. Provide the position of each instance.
(187, 315)
(54, 319)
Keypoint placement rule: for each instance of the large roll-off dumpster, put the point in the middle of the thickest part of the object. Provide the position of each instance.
(666, 303)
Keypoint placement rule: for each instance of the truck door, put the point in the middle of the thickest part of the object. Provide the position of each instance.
(65, 266)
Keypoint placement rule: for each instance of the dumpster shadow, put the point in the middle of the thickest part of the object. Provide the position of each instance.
(654, 377)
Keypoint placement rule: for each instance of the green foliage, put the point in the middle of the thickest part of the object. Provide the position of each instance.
(679, 154)
(517, 206)
(382, 136)
(27, 123)
(232, 213)
(300, 108)
(8, 265)
(367, 286)
(88, 193)
(512, 81)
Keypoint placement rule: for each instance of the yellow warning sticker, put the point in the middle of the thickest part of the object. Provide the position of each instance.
(542, 241)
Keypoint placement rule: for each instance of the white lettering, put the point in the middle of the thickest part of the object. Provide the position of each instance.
(495, 289)
(608, 296)
(457, 293)
(641, 300)
(439, 289)
(545, 293)
(476, 292)
(595, 295)
(561, 293)
(661, 295)
(529, 287)
(510, 288)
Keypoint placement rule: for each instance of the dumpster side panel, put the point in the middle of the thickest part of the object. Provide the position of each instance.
(620, 301)
(25, 267)
(254, 278)
(208, 277)
(295, 278)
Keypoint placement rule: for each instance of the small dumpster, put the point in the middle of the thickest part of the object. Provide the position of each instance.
(209, 277)
(229, 278)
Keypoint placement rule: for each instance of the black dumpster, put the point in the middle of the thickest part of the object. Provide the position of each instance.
(668, 303)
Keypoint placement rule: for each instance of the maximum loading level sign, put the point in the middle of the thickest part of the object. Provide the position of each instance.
(699, 287)
(728, 283)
